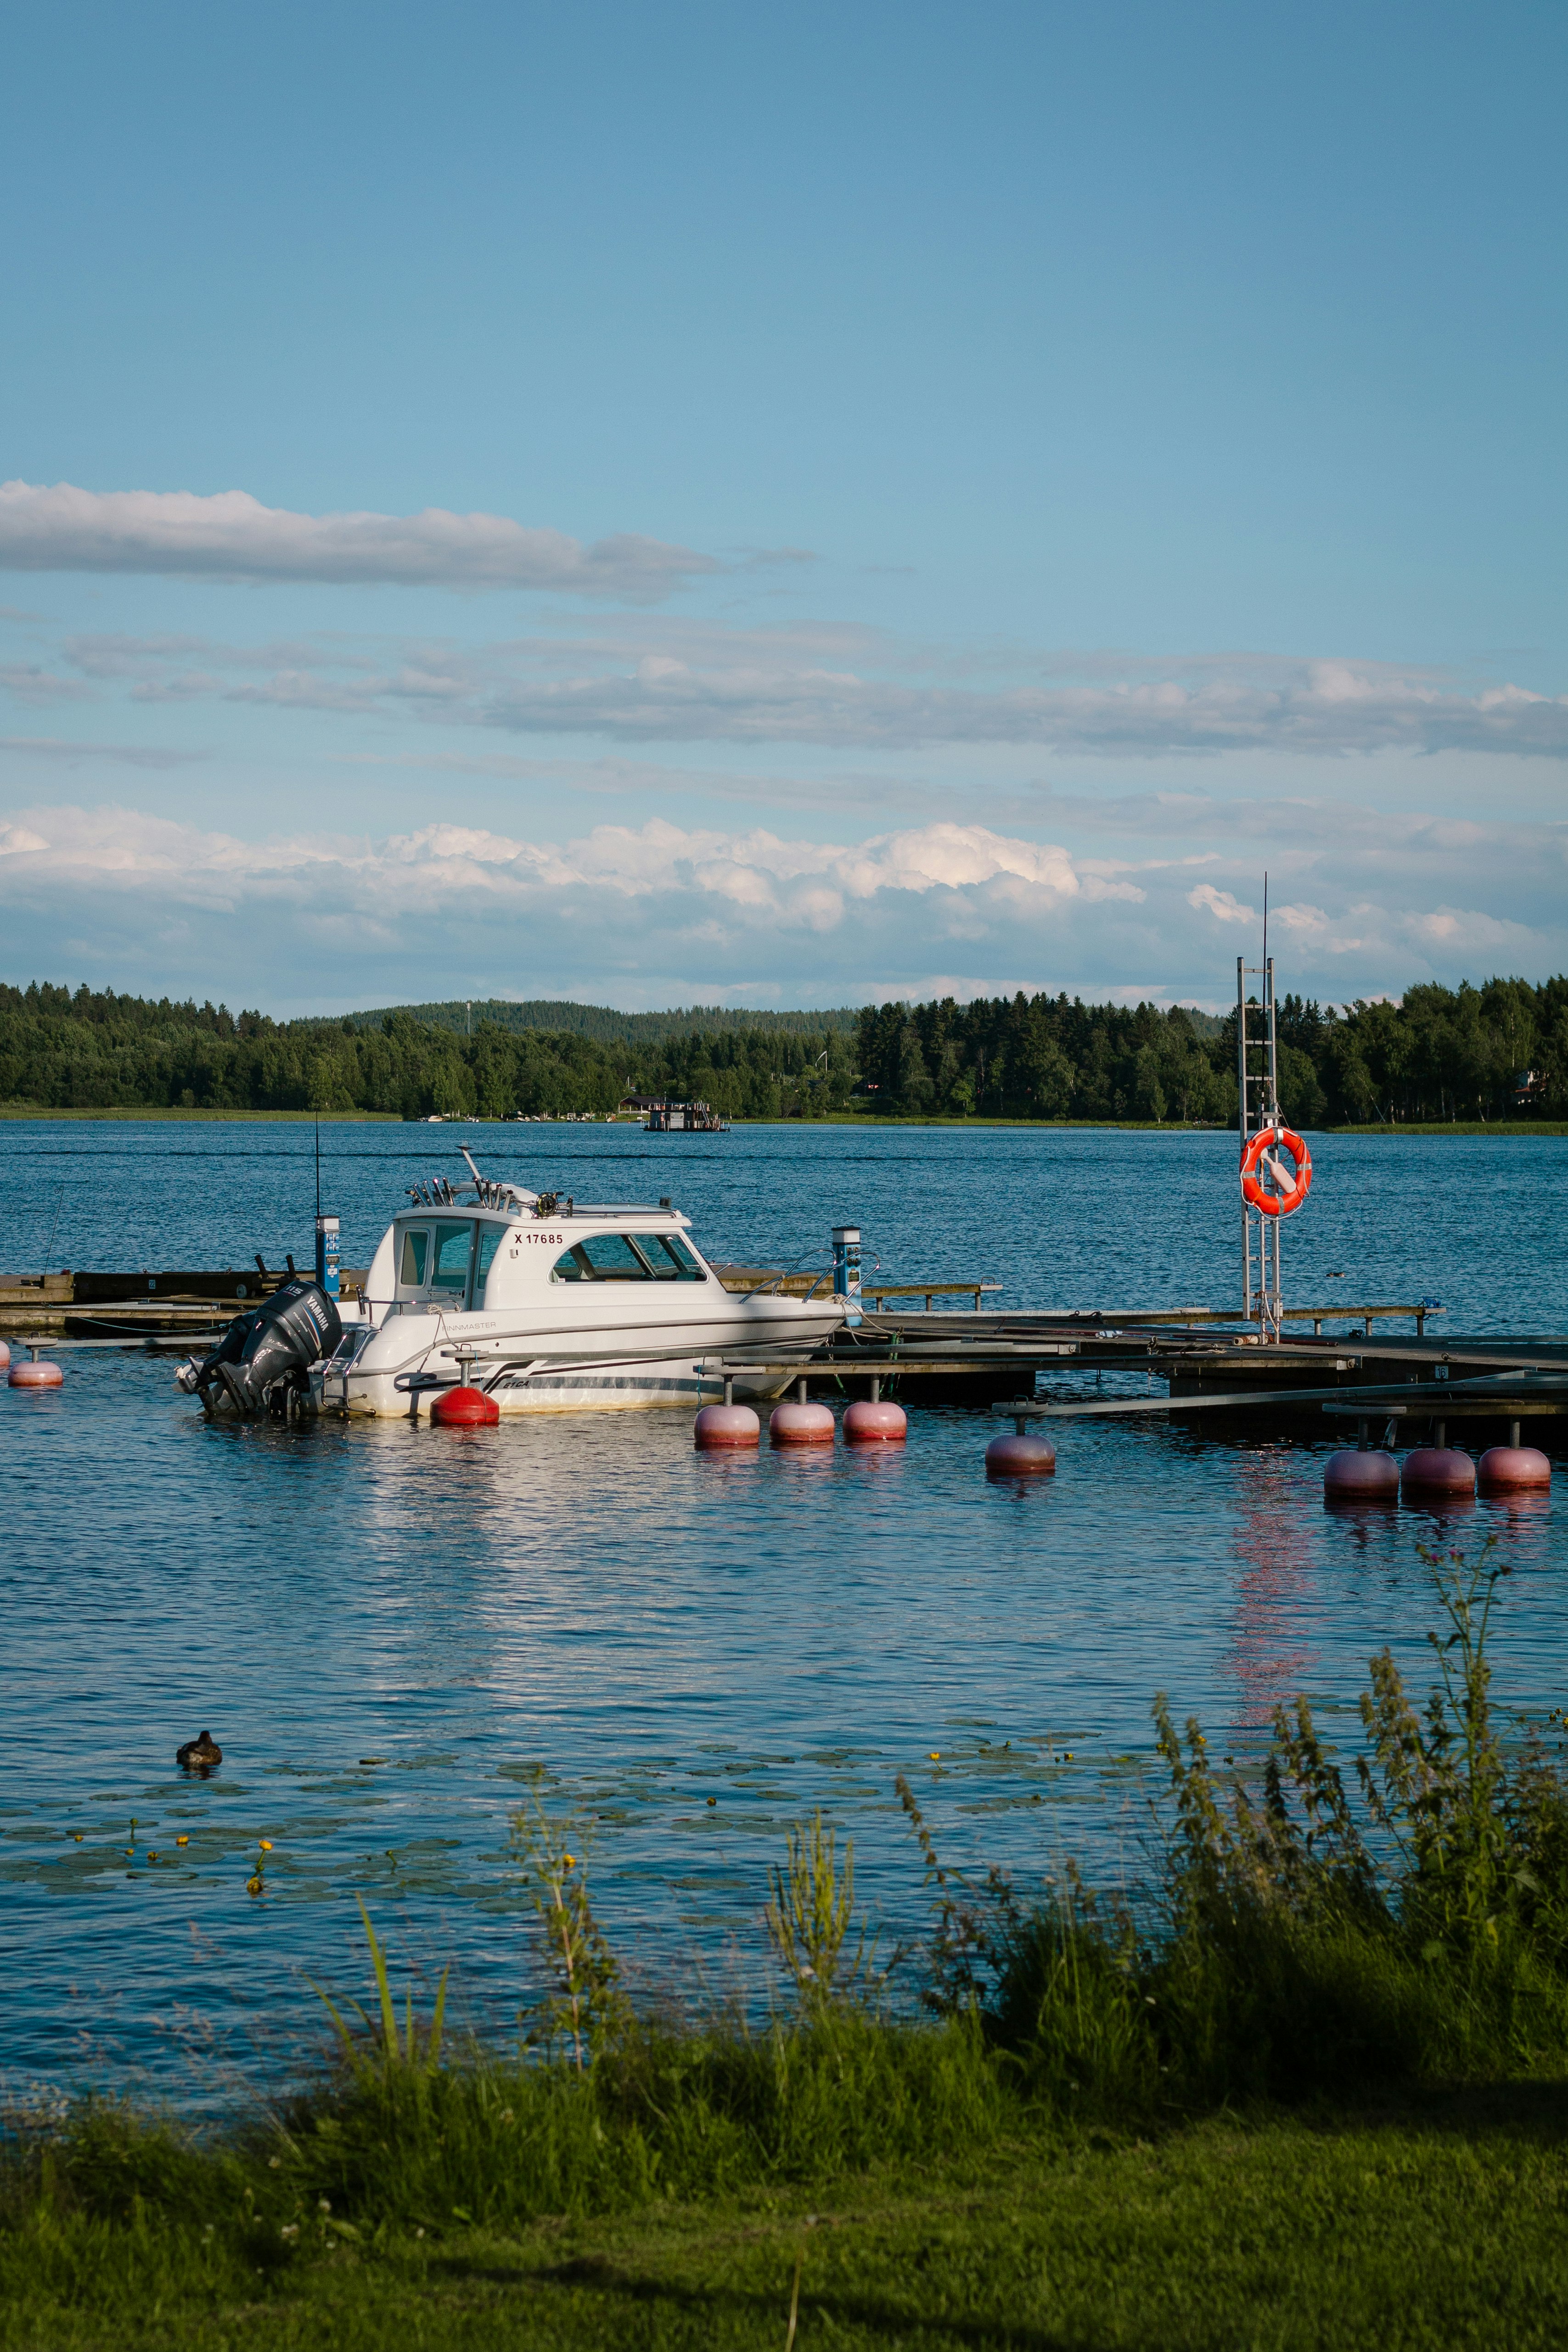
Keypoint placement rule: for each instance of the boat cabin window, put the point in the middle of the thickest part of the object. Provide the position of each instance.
(415, 1259)
(668, 1256)
(604, 1258)
(453, 1246)
(628, 1257)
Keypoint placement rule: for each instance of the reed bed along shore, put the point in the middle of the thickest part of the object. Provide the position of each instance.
(1309, 2089)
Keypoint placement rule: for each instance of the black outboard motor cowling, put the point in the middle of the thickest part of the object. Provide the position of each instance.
(271, 1348)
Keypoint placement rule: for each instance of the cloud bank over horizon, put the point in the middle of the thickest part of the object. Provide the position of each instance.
(661, 914)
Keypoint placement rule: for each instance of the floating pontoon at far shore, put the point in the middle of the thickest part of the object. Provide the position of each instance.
(547, 1304)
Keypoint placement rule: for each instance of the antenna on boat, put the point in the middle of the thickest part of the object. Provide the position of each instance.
(469, 1158)
(318, 1160)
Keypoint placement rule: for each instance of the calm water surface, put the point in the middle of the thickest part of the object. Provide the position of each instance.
(653, 1627)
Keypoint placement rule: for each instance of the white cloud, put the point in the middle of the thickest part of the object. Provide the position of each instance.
(1221, 904)
(232, 535)
(653, 681)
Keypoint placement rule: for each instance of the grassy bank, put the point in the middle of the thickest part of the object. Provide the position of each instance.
(1311, 2090)
(140, 1112)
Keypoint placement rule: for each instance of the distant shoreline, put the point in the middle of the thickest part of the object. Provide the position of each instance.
(176, 1113)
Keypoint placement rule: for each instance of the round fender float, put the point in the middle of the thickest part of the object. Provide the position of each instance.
(4, 1355)
(1261, 1151)
(866, 1423)
(1351, 1476)
(35, 1376)
(801, 1424)
(1512, 1469)
(1437, 1470)
(465, 1409)
(1020, 1457)
(726, 1425)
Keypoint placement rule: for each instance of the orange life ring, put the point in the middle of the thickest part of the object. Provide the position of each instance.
(1289, 1197)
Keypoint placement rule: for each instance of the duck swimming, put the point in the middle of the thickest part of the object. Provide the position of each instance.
(199, 1752)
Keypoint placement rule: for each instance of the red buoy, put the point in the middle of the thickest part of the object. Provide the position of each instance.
(726, 1425)
(1018, 1456)
(1353, 1476)
(1437, 1470)
(38, 1375)
(1512, 1469)
(790, 1423)
(866, 1423)
(465, 1408)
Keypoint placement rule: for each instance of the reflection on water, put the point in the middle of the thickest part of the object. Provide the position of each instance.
(1267, 1657)
(389, 1628)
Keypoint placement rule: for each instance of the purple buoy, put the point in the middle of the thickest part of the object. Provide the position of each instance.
(1018, 1456)
(726, 1425)
(1353, 1476)
(796, 1423)
(1513, 1469)
(1437, 1470)
(36, 1375)
(879, 1424)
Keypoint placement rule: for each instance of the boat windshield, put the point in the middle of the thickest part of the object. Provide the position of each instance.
(490, 1240)
(453, 1246)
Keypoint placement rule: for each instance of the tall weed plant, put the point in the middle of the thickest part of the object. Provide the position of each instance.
(1306, 1938)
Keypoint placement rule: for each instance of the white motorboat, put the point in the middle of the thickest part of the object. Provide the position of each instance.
(553, 1306)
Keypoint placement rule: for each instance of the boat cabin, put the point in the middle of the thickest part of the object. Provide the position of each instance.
(448, 1259)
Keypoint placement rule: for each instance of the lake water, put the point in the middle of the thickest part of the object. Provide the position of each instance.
(653, 1627)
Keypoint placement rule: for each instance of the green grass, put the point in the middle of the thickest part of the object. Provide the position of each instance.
(1428, 2222)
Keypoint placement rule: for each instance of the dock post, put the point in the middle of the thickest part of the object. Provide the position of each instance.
(729, 1388)
(1420, 1322)
(1513, 1435)
(801, 1397)
(1361, 1434)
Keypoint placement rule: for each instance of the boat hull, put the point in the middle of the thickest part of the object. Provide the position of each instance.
(629, 1371)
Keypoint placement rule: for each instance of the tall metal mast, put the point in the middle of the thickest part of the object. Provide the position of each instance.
(1261, 1298)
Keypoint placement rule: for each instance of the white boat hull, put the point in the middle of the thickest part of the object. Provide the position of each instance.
(525, 1373)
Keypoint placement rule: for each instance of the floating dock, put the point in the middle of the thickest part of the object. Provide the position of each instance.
(1383, 1365)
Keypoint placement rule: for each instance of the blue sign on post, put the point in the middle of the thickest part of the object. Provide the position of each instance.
(327, 1254)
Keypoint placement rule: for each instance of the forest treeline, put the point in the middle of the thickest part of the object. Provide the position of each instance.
(609, 1027)
(1499, 1051)
(81, 1050)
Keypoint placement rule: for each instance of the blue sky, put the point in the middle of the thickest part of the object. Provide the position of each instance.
(787, 506)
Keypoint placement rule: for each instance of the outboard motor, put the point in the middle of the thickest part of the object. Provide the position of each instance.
(264, 1359)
